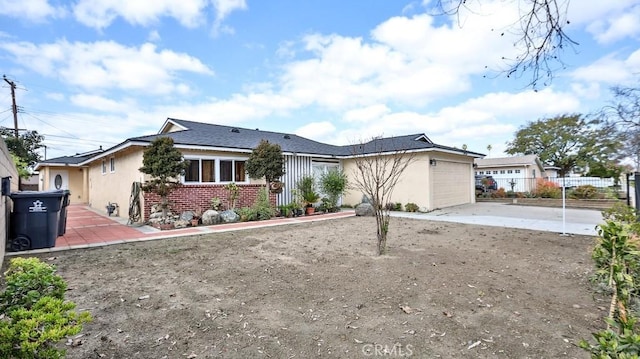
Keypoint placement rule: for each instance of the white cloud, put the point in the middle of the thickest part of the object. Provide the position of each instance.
(316, 129)
(100, 14)
(408, 60)
(103, 104)
(223, 9)
(366, 114)
(106, 65)
(610, 70)
(32, 10)
(607, 21)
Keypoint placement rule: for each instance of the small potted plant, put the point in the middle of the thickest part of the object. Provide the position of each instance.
(307, 188)
(296, 203)
(197, 214)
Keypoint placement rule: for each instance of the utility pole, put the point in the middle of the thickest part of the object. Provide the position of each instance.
(14, 107)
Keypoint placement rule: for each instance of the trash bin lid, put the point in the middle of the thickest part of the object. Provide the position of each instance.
(33, 194)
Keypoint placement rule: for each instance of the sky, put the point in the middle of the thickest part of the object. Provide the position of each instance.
(93, 73)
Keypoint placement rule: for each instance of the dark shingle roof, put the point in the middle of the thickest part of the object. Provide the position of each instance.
(71, 160)
(205, 134)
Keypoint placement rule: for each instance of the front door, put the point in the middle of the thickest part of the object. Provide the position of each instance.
(58, 179)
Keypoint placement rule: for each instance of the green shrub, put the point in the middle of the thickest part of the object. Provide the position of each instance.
(246, 214)
(262, 206)
(585, 192)
(334, 184)
(215, 203)
(411, 207)
(398, 206)
(28, 280)
(36, 316)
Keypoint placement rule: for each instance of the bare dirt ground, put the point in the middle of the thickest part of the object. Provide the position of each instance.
(318, 290)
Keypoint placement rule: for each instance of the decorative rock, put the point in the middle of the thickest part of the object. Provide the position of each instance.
(365, 210)
(187, 216)
(229, 216)
(210, 217)
(181, 224)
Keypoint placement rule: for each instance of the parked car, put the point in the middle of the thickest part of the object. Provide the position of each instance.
(486, 183)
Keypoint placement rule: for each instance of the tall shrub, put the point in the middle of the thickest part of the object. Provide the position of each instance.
(164, 163)
(266, 161)
(334, 184)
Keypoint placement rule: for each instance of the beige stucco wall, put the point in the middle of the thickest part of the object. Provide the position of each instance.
(7, 168)
(416, 184)
(76, 185)
(115, 187)
(412, 187)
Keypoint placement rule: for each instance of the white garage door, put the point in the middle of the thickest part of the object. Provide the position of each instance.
(451, 184)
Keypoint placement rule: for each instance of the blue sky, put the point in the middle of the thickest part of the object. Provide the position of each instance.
(94, 72)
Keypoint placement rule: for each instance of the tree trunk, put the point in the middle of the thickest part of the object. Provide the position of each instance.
(382, 224)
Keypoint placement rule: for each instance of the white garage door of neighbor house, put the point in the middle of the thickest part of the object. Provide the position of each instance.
(58, 180)
(451, 184)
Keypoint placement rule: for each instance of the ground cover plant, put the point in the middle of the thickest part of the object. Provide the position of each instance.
(320, 289)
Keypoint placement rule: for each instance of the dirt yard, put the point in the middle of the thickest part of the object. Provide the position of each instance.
(318, 290)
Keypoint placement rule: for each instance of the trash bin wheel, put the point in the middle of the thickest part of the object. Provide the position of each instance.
(20, 243)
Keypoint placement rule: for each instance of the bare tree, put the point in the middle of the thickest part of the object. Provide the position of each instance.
(625, 111)
(539, 31)
(379, 167)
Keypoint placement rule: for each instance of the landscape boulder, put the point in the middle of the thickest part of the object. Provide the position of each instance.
(365, 210)
(229, 216)
(210, 217)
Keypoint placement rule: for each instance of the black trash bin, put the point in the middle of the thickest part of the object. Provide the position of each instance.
(62, 223)
(35, 219)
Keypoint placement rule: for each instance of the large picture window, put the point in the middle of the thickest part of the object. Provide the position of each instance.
(205, 170)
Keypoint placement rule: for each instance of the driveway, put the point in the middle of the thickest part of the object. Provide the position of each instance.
(576, 221)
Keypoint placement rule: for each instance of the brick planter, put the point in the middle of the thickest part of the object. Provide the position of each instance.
(191, 197)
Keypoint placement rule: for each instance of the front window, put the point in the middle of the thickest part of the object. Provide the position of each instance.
(104, 166)
(205, 171)
(112, 164)
(192, 174)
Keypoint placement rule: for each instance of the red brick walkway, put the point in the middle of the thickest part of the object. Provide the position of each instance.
(88, 228)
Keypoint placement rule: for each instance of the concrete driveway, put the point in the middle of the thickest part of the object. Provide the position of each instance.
(576, 221)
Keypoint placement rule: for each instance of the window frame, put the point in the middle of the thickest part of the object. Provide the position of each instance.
(216, 168)
(104, 167)
(112, 164)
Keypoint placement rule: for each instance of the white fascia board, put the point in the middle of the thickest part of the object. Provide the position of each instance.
(114, 150)
(172, 122)
(412, 151)
(54, 164)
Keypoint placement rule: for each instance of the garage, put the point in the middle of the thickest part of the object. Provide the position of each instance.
(451, 183)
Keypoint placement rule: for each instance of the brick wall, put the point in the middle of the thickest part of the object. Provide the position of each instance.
(193, 197)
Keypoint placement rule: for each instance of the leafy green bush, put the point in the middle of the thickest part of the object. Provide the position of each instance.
(262, 207)
(411, 207)
(28, 280)
(36, 316)
(334, 184)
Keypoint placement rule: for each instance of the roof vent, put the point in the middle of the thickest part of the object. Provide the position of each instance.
(235, 130)
(287, 137)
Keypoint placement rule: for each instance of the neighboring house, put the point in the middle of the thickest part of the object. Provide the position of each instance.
(440, 176)
(521, 171)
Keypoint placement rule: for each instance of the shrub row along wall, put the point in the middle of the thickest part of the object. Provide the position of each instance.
(7, 168)
(198, 197)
